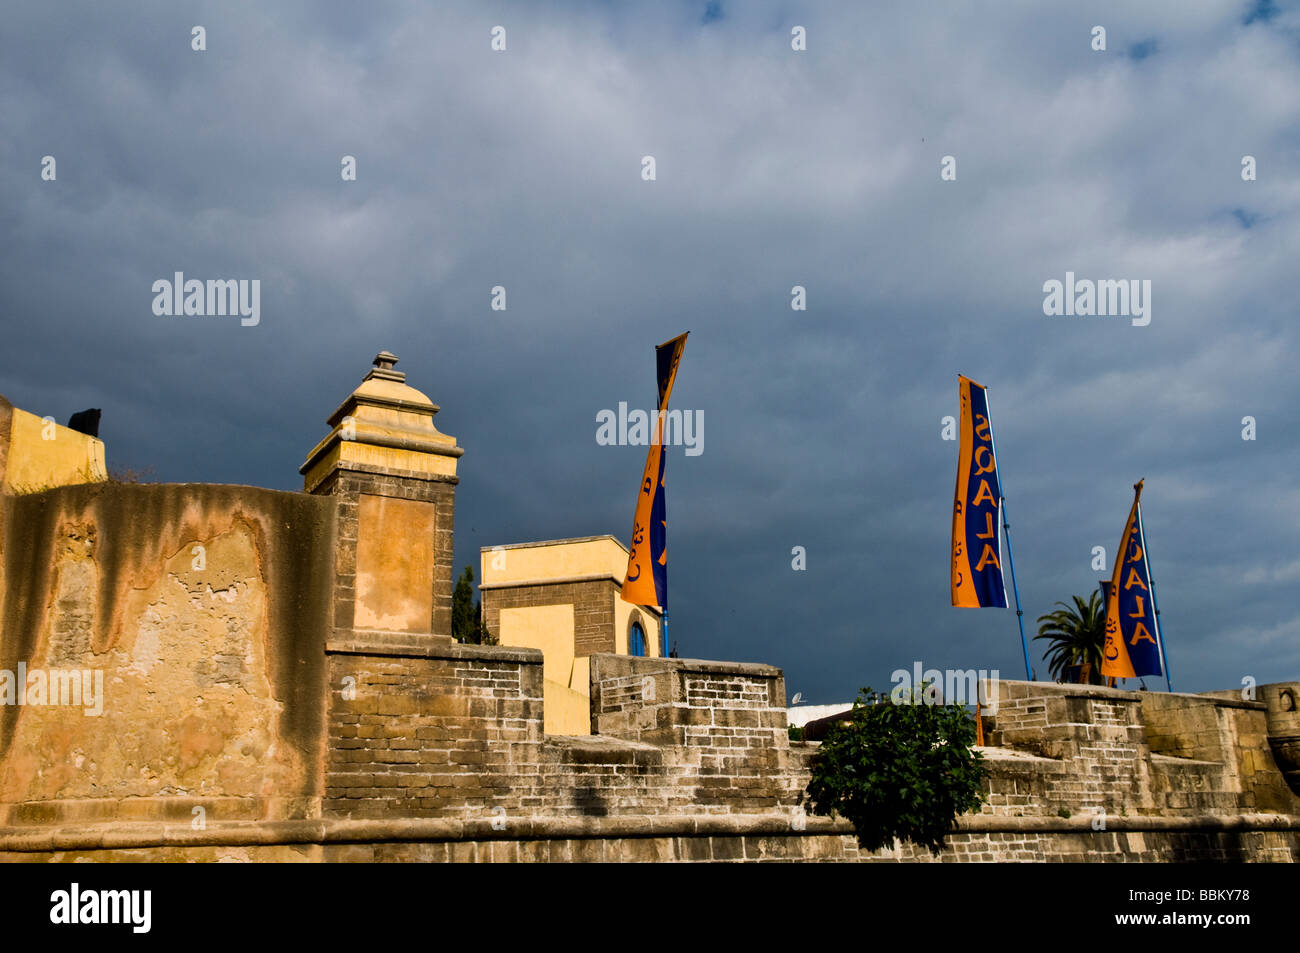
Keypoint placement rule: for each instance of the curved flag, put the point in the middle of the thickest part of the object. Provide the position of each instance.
(1132, 647)
(647, 561)
(976, 508)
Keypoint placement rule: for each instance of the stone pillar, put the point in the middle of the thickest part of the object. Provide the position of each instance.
(394, 476)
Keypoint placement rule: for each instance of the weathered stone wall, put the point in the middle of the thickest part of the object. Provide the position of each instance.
(448, 730)
(431, 729)
(723, 722)
(1142, 753)
(193, 614)
(1227, 732)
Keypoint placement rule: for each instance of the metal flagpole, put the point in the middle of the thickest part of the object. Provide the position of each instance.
(1006, 526)
(1020, 616)
(1155, 603)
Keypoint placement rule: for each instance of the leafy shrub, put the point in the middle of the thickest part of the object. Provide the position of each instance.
(899, 771)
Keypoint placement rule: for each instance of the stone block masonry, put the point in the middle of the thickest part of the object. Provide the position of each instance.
(435, 751)
(455, 731)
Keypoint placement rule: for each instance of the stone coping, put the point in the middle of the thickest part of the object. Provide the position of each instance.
(555, 542)
(1021, 689)
(554, 581)
(437, 647)
(1173, 759)
(118, 836)
(601, 744)
(1189, 698)
(416, 441)
(648, 664)
(399, 473)
(1016, 756)
(144, 485)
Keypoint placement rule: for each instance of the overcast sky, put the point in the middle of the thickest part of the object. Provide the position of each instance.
(774, 168)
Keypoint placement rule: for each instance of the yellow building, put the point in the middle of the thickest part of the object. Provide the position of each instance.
(38, 454)
(562, 596)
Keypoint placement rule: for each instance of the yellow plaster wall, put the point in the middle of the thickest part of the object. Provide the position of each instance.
(566, 680)
(580, 680)
(568, 712)
(551, 628)
(395, 562)
(600, 556)
(35, 463)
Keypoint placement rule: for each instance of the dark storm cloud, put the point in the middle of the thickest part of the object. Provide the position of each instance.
(775, 168)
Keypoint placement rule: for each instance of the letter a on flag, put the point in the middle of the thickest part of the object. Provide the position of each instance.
(647, 560)
(976, 508)
(1132, 647)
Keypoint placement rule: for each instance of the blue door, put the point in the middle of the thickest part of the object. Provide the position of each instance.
(636, 640)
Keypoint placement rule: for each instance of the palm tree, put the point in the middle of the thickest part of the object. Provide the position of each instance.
(1077, 635)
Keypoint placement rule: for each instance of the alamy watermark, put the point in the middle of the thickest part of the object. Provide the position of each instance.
(71, 687)
(640, 428)
(231, 296)
(131, 908)
(953, 686)
(1105, 297)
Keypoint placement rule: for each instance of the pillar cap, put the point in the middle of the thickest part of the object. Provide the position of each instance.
(385, 425)
(383, 369)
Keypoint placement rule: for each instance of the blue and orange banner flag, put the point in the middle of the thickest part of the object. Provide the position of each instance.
(1132, 647)
(977, 508)
(647, 560)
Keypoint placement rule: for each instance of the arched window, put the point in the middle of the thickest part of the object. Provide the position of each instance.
(636, 640)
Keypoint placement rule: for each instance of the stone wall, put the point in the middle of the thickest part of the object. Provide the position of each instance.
(432, 730)
(1138, 753)
(189, 620)
(455, 731)
(1225, 731)
(435, 751)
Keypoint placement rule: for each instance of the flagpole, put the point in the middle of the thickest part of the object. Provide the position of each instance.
(1006, 526)
(1155, 603)
(663, 649)
(1020, 616)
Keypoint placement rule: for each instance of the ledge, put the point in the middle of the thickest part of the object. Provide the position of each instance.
(651, 664)
(354, 831)
(553, 581)
(1178, 760)
(438, 647)
(1190, 700)
(554, 542)
(1020, 690)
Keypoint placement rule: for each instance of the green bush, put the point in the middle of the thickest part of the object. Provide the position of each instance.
(899, 771)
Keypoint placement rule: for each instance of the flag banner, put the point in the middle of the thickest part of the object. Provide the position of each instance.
(1132, 647)
(647, 560)
(976, 508)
